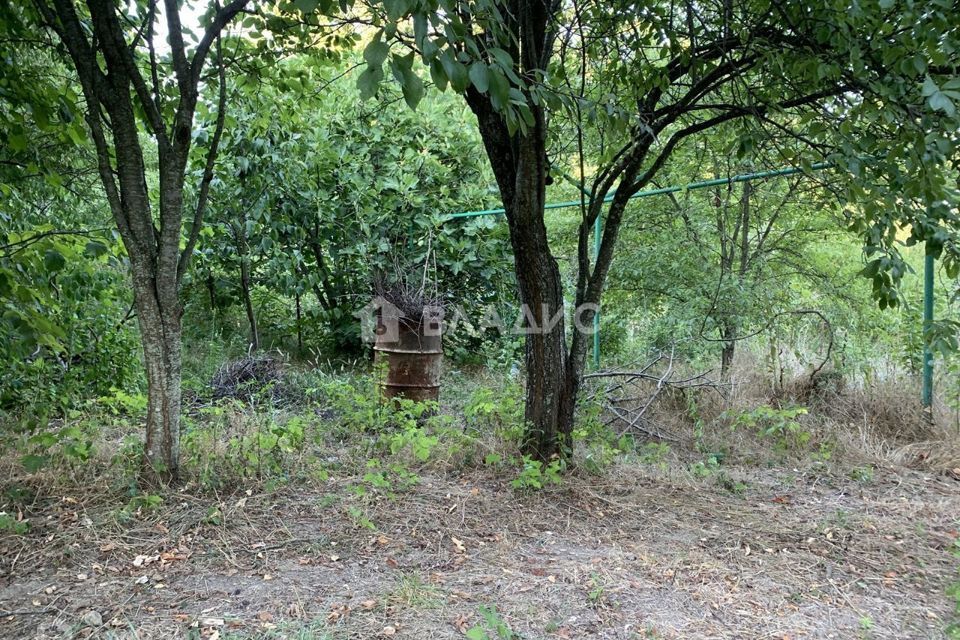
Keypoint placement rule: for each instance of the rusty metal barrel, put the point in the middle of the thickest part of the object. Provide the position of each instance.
(413, 351)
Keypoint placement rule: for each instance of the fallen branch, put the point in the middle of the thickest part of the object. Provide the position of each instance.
(634, 418)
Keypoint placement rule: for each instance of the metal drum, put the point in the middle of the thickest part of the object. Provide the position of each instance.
(413, 351)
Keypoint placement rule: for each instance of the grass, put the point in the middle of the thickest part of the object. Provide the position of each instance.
(315, 630)
(412, 592)
(338, 516)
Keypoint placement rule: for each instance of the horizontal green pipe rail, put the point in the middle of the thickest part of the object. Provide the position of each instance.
(703, 184)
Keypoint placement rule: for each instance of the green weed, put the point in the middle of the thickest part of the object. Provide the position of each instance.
(10, 524)
(493, 627)
(536, 475)
(780, 425)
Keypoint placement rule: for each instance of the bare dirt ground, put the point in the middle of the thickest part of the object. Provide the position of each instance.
(639, 552)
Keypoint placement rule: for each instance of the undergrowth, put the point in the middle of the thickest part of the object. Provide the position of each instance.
(312, 426)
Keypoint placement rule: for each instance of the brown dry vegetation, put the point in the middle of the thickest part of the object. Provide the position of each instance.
(849, 538)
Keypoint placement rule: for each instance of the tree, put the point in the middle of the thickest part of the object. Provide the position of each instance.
(125, 81)
(334, 191)
(837, 79)
(64, 302)
(241, 200)
(738, 250)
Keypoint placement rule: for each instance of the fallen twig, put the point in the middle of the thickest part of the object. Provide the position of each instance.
(634, 417)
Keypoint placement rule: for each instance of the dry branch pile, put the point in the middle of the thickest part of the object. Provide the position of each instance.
(412, 300)
(627, 399)
(248, 377)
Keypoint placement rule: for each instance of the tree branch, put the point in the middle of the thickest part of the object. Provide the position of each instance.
(211, 159)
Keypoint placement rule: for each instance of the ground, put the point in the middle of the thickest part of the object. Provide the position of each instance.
(641, 551)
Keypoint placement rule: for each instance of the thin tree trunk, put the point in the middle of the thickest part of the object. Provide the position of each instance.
(248, 304)
(299, 326)
(160, 328)
(729, 332)
(729, 335)
(244, 252)
(212, 291)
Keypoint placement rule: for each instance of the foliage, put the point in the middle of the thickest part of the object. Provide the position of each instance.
(654, 453)
(10, 524)
(781, 425)
(72, 443)
(536, 475)
(496, 410)
(744, 256)
(309, 203)
(493, 627)
(63, 297)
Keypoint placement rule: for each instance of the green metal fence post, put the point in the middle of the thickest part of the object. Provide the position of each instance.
(927, 394)
(597, 232)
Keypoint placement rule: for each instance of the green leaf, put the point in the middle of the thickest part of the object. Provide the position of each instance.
(410, 82)
(95, 249)
(376, 52)
(499, 89)
(502, 57)
(33, 463)
(413, 90)
(17, 142)
(477, 633)
(419, 28)
(438, 75)
(306, 6)
(940, 102)
(369, 81)
(77, 134)
(480, 76)
(402, 64)
(456, 73)
(53, 261)
(395, 9)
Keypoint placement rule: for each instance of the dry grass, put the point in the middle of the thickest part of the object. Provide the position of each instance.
(772, 544)
(880, 423)
(639, 552)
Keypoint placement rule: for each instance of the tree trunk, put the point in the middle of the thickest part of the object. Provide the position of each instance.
(299, 326)
(212, 292)
(729, 335)
(244, 252)
(248, 304)
(551, 389)
(160, 329)
(520, 165)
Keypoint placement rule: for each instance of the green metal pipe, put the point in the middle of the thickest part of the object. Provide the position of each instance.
(598, 225)
(597, 232)
(703, 184)
(927, 393)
